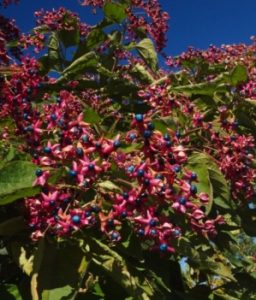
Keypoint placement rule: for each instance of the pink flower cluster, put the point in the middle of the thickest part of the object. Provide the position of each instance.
(144, 16)
(74, 161)
(9, 33)
(56, 20)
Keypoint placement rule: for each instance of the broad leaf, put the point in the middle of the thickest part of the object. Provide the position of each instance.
(54, 56)
(141, 74)
(238, 75)
(211, 180)
(12, 226)
(85, 62)
(10, 292)
(115, 12)
(109, 186)
(91, 116)
(147, 51)
(57, 270)
(16, 180)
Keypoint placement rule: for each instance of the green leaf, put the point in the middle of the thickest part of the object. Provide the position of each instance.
(58, 293)
(69, 38)
(238, 75)
(91, 116)
(16, 180)
(58, 270)
(130, 148)
(12, 226)
(54, 56)
(251, 101)
(19, 194)
(9, 292)
(93, 39)
(141, 73)
(109, 185)
(20, 256)
(164, 123)
(248, 220)
(117, 268)
(211, 180)
(115, 11)
(85, 62)
(204, 88)
(147, 51)
(218, 268)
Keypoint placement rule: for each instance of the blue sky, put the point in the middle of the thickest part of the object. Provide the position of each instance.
(197, 23)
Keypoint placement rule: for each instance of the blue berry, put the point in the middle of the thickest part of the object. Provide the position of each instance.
(132, 136)
(193, 176)
(76, 219)
(79, 151)
(98, 145)
(176, 232)
(193, 189)
(153, 222)
(85, 138)
(91, 167)
(139, 117)
(52, 202)
(163, 247)
(47, 150)
(147, 134)
(141, 232)
(95, 208)
(159, 176)
(151, 126)
(182, 200)
(53, 117)
(178, 134)
(168, 144)
(140, 173)
(25, 116)
(111, 222)
(130, 169)
(153, 232)
(125, 195)
(166, 137)
(117, 144)
(66, 200)
(87, 214)
(39, 172)
(29, 128)
(115, 235)
(29, 90)
(177, 169)
(72, 173)
(146, 181)
(124, 214)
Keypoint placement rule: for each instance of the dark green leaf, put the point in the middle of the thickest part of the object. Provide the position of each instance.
(115, 12)
(69, 38)
(59, 268)
(54, 55)
(9, 292)
(93, 39)
(12, 226)
(211, 180)
(141, 74)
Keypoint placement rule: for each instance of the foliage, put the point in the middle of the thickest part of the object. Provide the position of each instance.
(120, 179)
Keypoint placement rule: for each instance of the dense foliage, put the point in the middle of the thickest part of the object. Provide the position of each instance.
(120, 179)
